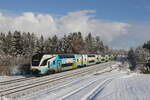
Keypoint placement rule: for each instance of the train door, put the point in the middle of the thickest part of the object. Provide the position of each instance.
(59, 65)
(74, 63)
(82, 62)
(48, 64)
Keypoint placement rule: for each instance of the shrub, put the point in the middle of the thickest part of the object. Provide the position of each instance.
(137, 58)
(14, 64)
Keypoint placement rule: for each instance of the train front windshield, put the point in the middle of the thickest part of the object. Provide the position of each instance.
(36, 59)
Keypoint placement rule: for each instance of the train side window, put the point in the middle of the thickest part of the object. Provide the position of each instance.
(66, 65)
(54, 62)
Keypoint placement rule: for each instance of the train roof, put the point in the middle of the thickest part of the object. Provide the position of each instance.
(41, 54)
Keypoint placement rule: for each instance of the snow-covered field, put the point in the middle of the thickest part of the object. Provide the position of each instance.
(114, 85)
(7, 78)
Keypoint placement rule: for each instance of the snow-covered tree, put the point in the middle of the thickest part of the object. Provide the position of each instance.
(138, 59)
(17, 46)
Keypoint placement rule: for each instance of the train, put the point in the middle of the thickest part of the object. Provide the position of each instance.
(43, 64)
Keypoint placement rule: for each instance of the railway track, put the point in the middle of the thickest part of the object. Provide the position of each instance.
(15, 80)
(18, 82)
(23, 89)
(74, 89)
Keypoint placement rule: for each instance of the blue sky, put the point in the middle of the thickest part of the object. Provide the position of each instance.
(119, 23)
(120, 10)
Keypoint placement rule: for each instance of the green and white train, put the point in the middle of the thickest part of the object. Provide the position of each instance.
(50, 63)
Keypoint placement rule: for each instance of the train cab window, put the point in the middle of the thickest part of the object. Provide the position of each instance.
(36, 59)
(44, 62)
(35, 62)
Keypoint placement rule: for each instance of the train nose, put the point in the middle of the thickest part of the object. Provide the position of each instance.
(35, 72)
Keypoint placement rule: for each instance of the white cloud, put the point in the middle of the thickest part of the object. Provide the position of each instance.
(137, 34)
(48, 25)
(115, 34)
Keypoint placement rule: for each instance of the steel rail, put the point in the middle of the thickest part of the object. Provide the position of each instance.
(47, 81)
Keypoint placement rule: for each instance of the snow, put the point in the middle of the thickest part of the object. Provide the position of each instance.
(101, 85)
(7, 78)
(95, 91)
(134, 87)
(108, 86)
(131, 75)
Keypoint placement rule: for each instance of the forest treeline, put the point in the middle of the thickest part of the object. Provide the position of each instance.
(139, 58)
(17, 48)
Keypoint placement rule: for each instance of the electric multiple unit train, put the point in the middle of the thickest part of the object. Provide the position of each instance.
(45, 63)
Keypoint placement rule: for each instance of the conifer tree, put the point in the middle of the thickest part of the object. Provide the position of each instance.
(48, 46)
(40, 45)
(55, 44)
(17, 46)
(9, 40)
(89, 43)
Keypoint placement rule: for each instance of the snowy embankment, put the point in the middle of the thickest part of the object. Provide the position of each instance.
(100, 85)
(127, 87)
(114, 85)
(7, 78)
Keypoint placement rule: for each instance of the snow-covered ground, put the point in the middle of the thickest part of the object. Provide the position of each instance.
(113, 85)
(7, 78)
